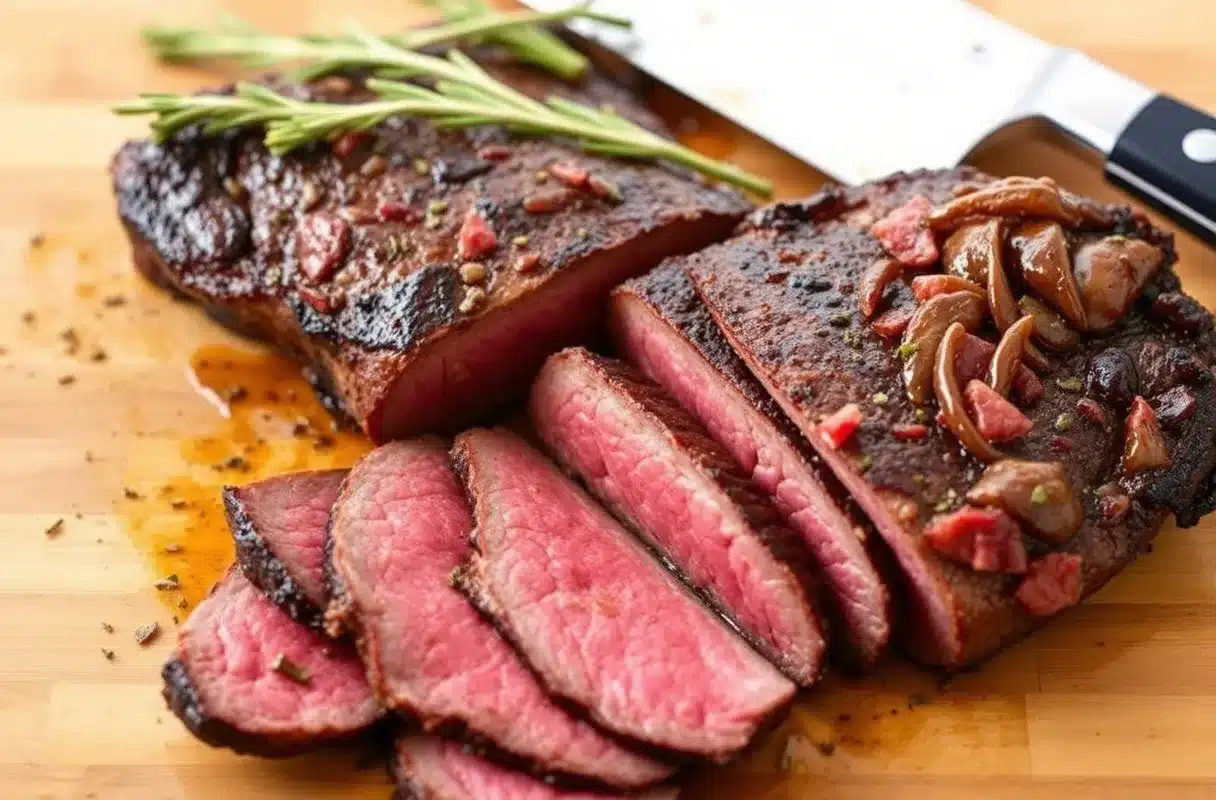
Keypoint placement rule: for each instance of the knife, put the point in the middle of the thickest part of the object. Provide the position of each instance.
(863, 88)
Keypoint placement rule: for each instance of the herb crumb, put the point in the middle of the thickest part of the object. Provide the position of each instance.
(880, 399)
(290, 669)
(168, 583)
(56, 528)
(114, 301)
(107, 627)
(1071, 384)
(1063, 422)
(67, 380)
(108, 653)
(131, 494)
(906, 350)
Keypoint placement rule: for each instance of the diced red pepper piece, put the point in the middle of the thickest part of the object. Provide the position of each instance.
(322, 239)
(997, 419)
(987, 539)
(476, 239)
(1091, 410)
(1052, 584)
(319, 302)
(396, 211)
(892, 323)
(1113, 504)
(909, 431)
(570, 174)
(840, 425)
(345, 144)
(905, 234)
(1175, 406)
(1143, 445)
(494, 152)
(971, 363)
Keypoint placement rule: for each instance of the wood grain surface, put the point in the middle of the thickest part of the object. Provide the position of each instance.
(110, 420)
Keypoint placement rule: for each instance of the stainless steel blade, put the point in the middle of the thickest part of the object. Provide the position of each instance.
(863, 88)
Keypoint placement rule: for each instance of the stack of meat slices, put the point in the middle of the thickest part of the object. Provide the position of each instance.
(867, 347)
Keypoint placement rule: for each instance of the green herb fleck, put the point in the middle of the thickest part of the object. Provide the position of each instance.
(867, 461)
(1072, 384)
(1063, 422)
(920, 415)
(880, 399)
(906, 350)
(1038, 495)
(840, 320)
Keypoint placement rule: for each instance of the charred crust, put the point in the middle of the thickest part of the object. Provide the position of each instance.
(262, 567)
(398, 317)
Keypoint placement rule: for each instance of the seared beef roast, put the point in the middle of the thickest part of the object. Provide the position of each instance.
(278, 525)
(247, 676)
(660, 325)
(650, 462)
(599, 620)
(423, 274)
(816, 296)
(429, 768)
(399, 531)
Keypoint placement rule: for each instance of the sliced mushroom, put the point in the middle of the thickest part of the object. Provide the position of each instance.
(1043, 256)
(1020, 199)
(1143, 445)
(1005, 313)
(950, 398)
(1110, 274)
(1038, 494)
(927, 286)
(1009, 353)
(972, 249)
(874, 281)
(1049, 327)
(925, 332)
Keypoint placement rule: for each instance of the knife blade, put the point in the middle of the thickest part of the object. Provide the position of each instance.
(865, 88)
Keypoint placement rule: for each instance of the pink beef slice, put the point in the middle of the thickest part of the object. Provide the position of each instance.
(384, 322)
(784, 293)
(430, 768)
(650, 462)
(400, 531)
(602, 623)
(660, 325)
(222, 684)
(278, 525)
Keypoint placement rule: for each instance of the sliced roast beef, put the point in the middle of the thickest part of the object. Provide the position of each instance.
(430, 768)
(650, 462)
(422, 274)
(601, 622)
(399, 531)
(278, 525)
(248, 677)
(660, 325)
(787, 291)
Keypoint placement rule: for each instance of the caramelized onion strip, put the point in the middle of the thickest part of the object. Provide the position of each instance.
(950, 397)
(1009, 353)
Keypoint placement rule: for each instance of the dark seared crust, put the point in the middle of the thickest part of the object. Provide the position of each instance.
(262, 567)
(789, 318)
(654, 407)
(670, 295)
(397, 295)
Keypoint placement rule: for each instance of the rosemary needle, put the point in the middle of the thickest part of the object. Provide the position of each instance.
(463, 95)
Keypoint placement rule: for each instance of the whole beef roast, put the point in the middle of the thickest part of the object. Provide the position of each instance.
(399, 531)
(599, 620)
(278, 525)
(423, 275)
(650, 462)
(430, 768)
(660, 325)
(248, 677)
(1000, 510)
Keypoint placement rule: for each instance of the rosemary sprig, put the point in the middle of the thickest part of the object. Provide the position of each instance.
(531, 44)
(464, 95)
(236, 39)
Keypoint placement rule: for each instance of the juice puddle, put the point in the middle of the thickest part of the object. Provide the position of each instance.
(268, 422)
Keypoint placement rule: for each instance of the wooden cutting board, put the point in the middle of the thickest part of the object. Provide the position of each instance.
(113, 444)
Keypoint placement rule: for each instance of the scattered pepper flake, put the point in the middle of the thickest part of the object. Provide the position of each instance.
(146, 634)
(290, 669)
(108, 653)
(55, 528)
(37, 240)
(28, 317)
(114, 301)
(98, 356)
(168, 583)
(107, 627)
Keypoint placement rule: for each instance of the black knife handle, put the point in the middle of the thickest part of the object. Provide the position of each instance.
(1167, 156)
